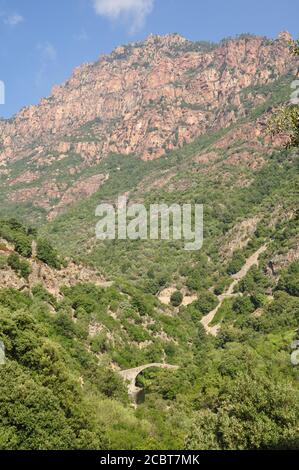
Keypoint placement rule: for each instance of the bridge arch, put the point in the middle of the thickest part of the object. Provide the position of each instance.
(130, 376)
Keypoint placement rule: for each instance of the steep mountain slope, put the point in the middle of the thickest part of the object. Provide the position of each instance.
(67, 332)
(106, 316)
(144, 99)
(58, 385)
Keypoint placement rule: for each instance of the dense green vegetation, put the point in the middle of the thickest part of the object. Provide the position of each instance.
(60, 348)
(21, 267)
(59, 387)
(43, 404)
(16, 233)
(46, 253)
(286, 120)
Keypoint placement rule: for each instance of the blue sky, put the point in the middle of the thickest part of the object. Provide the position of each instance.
(43, 40)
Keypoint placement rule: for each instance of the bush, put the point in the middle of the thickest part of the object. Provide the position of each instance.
(40, 292)
(22, 268)
(152, 287)
(261, 415)
(221, 285)
(142, 304)
(289, 281)
(14, 300)
(64, 325)
(98, 344)
(206, 302)
(15, 233)
(259, 300)
(23, 245)
(254, 281)
(47, 254)
(243, 306)
(176, 299)
(236, 263)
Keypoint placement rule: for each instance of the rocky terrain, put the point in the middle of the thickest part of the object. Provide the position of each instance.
(145, 99)
(192, 331)
(42, 274)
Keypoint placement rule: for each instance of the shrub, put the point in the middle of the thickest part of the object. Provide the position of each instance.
(152, 287)
(243, 306)
(22, 268)
(254, 281)
(41, 293)
(206, 302)
(3, 261)
(236, 263)
(98, 344)
(289, 281)
(221, 285)
(47, 254)
(259, 300)
(23, 245)
(176, 298)
(16, 233)
(141, 304)
(64, 325)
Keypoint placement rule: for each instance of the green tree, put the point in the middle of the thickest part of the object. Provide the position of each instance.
(47, 254)
(23, 245)
(176, 299)
(286, 120)
(206, 302)
(289, 280)
(252, 412)
(21, 267)
(243, 306)
(236, 263)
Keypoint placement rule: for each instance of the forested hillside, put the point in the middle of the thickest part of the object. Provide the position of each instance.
(75, 311)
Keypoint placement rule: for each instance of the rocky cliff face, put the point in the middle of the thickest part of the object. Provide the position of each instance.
(145, 98)
(41, 274)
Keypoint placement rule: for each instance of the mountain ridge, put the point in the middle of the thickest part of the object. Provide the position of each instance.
(67, 333)
(145, 99)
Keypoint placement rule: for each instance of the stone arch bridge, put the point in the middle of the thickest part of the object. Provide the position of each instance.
(130, 376)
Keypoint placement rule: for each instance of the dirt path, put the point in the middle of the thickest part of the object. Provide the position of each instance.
(253, 260)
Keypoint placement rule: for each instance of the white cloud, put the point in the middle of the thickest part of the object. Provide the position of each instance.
(48, 56)
(134, 11)
(14, 20)
(48, 51)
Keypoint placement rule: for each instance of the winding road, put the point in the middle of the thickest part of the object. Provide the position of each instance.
(253, 260)
(130, 375)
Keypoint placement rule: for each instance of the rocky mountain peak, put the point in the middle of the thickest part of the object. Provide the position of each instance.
(145, 99)
(285, 36)
(166, 39)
